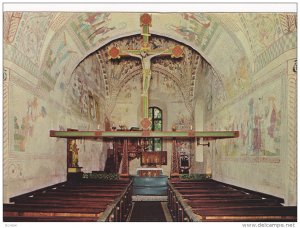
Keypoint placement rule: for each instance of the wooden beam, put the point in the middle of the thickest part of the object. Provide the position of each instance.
(209, 135)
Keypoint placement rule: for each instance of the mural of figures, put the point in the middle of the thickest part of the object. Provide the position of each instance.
(24, 125)
(250, 127)
(183, 121)
(85, 85)
(197, 18)
(196, 28)
(258, 119)
(168, 73)
(267, 31)
(94, 27)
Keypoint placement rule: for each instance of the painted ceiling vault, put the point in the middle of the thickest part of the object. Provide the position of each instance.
(50, 45)
(116, 73)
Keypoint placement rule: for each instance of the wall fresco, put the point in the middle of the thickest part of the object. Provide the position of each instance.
(89, 26)
(32, 33)
(197, 28)
(258, 117)
(24, 125)
(58, 56)
(180, 71)
(83, 89)
(237, 45)
(10, 25)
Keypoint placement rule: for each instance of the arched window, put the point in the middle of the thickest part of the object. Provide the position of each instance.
(155, 115)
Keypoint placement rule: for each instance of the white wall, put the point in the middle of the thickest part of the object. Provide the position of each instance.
(258, 159)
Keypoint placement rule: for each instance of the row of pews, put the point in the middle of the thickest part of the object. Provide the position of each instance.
(87, 201)
(212, 201)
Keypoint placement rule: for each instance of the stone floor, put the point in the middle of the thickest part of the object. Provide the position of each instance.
(150, 211)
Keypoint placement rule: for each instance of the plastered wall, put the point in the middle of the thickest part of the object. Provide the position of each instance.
(249, 87)
(259, 158)
(32, 159)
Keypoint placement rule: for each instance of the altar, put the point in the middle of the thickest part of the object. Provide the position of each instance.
(149, 171)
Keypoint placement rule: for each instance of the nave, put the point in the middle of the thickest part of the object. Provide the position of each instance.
(187, 201)
(108, 116)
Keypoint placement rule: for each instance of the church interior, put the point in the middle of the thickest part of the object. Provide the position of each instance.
(149, 116)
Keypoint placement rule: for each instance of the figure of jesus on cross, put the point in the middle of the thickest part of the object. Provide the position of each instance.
(145, 54)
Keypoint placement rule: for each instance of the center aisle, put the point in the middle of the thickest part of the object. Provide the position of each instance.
(147, 211)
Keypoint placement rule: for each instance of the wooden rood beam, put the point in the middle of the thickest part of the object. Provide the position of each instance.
(209, 135)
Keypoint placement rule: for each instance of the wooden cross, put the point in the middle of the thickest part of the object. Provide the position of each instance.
(145, 54)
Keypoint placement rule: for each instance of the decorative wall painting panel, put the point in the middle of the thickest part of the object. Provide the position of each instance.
(258, 117)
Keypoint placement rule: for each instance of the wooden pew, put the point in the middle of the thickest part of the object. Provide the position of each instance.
(232, 200)
(49, 219)
(83, 194)
(236, 203)
(65, 203)
(51, 210)
(215, 201)
(276, 213)
(53, 200)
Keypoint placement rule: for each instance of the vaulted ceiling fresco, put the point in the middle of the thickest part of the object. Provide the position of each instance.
(50, 46)
(183, 71)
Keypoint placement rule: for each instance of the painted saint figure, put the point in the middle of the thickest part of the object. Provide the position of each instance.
(74, 152)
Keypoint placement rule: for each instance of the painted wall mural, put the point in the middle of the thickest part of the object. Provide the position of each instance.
(93, 28)
(273, 35)
(197, 28)
(83, 90)
(258, 117)
(24, 125)
(32, 33)
(182, 71)
(183, 122)
(50, 45)
(58, 58)
(11, 24)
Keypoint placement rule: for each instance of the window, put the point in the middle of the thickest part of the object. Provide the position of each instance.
(155, 115)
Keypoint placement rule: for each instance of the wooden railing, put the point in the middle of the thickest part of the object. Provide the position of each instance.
(179, 210)
(119, 209)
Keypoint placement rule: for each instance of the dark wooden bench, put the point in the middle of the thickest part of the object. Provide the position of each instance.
(232, 200)
(215, 195)
(216, 201)
(50, 210)
(83, 194)
(63, 202)
(269, 213)
(207, 191)
(224, 204)
(54, 200)
(49, 219)
(70, 203)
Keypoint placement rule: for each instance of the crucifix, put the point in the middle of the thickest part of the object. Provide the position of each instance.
(145, 54)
